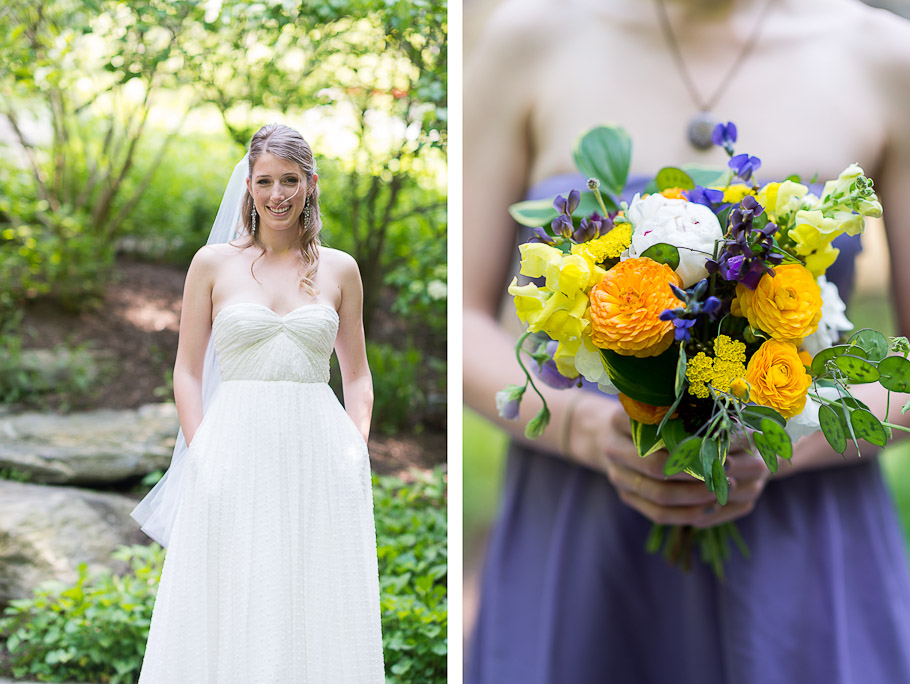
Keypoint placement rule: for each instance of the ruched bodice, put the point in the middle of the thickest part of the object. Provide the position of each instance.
(255, 343)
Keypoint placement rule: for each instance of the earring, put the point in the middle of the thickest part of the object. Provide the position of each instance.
(253, 221)
(306, 212)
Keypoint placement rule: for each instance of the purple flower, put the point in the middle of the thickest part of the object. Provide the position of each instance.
(567, 206)
(540, 235)
(712, 306)
(548, 372)
(743, 165)
(681, 329)
(705, 196)
(508, 401)
(724, 135)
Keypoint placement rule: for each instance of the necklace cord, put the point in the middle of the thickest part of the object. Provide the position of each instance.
(676, 52)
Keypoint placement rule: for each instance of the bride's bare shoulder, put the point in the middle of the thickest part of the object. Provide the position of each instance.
(340, 264)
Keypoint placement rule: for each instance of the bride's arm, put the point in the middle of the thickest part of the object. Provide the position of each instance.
(350, 346)
(195, 329)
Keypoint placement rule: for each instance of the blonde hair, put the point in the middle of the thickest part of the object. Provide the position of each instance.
(287, 144)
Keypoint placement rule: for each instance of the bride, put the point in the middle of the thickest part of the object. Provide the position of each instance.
(271, 571)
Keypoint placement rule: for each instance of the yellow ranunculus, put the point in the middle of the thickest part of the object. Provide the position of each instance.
(786, 306)
(777, 378)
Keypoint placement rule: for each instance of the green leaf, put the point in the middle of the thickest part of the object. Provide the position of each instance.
(832, 426)
(719, 477)
(645, 438)
(866, 426)
(766, 450)
(604, 153)
(681, 364)
(649, 380)
(671, 177)
(857, 369)
(663, 253)
(709, 455)
(872, 342)
(538, 424)
(777, 438)
(683, 456)
(754, 414)
(534, 213)
(705, 176)
(820, 360)
(895, 373)
(674, 433)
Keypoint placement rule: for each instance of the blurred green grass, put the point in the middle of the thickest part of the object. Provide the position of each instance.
(485, 447)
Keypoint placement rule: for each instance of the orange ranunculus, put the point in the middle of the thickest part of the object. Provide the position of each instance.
(626, 307)
(787, 305)
(778, 378)
(643, 413)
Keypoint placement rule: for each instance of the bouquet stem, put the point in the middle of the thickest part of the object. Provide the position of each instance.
(677, 543)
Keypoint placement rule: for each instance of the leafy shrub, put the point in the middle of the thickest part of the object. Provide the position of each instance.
(174, 215)
(29, 377)
(97, 629)
(43, 253)
(413, 567)
(93, 631)
(398, 398)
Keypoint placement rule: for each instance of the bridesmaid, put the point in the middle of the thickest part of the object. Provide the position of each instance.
(568, 593)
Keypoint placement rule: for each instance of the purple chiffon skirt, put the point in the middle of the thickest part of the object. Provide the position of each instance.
(570, 596)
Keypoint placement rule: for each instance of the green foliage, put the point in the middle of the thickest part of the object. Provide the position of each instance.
(93, 631)
(97, 629)
(174, 214)
(413, 561)
(29, 378)
(52, 254)
(398, 400)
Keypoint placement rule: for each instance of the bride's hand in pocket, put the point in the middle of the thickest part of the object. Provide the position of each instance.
(641, 484)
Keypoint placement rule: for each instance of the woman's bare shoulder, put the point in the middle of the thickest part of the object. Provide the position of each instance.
(341, 264)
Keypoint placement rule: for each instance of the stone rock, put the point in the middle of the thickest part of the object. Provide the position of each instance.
(47, 531)
(90, 447)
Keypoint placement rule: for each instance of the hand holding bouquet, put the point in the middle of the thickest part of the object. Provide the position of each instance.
(703, 303)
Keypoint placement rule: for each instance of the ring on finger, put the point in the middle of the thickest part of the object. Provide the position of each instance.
(636, 485)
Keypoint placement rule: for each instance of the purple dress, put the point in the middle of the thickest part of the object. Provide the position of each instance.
(570, 596)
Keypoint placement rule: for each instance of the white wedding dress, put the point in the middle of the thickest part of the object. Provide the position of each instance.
(271, 575)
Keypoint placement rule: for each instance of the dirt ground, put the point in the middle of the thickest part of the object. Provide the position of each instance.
(134, 333)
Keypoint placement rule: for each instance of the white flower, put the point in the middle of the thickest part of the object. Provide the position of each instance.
(690, 227)
(589, 363)
(807, 422)
(833, 321)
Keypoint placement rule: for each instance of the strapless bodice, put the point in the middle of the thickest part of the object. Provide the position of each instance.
(253, 342)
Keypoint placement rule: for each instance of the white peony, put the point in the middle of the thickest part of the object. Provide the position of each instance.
(590, 364)
(806, 422)
(833, 321)
(690, 227)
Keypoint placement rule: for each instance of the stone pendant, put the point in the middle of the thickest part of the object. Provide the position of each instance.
(701, 126)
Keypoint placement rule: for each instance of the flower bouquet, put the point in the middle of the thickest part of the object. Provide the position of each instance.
(703, 304)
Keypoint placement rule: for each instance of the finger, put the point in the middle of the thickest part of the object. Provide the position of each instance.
(621, 423)
(717, 515)
(742, 491)
(660, 492)
(745, 466)
(662, 515)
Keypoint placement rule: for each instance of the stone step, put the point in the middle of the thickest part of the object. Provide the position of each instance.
(89, 447)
